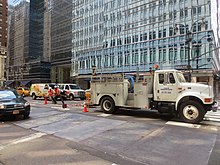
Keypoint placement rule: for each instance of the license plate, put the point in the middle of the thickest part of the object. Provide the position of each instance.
(15, 112)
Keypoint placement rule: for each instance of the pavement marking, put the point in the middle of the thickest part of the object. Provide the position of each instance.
(211, 119)
(104, 115)
(188, 125)
(61, 108)
(23, 139)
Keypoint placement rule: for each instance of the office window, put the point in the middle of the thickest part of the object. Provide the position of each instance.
(160, 56)
(164, 32)
(164, 55)
(199, 10)
(186, 11)
(120, 59)
(154, 35)
(181, 54)
(164, 16)
(174, 14)
(150, 35)
(193, 11)
(175, 54)
(170, 55)
(141, 37)
(159, 33)
(145, 36)
(181, 13)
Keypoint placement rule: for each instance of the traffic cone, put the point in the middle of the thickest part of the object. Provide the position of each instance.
(85, 108)
(45, 100)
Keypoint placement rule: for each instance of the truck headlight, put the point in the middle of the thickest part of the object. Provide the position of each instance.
(26, 104)
(2, 106)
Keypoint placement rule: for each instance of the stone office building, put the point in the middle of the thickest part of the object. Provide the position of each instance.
(26, 62)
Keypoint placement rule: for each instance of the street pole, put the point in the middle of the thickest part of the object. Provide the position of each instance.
(189, 74)
(188, 40)
(197, 56)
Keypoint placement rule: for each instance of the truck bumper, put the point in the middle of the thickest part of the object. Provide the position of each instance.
(215, 107)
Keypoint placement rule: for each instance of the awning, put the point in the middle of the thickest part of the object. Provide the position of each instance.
(25, 82)
(9, 82)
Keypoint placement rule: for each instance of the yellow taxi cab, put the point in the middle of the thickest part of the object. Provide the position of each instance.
(24, 91)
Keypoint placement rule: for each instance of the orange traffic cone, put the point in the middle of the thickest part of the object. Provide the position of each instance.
(45, 100)
(85, 108)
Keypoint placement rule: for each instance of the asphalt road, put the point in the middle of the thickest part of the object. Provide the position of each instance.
(54, 135)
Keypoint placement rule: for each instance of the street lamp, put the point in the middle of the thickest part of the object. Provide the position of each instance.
(197, 45)
(188, 40)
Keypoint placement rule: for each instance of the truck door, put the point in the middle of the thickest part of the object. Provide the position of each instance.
(165, 88)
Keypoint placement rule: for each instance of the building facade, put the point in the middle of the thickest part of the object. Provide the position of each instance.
(18, 40)
(26, 61)
(3, 39)
(126, 35)
(61, 40)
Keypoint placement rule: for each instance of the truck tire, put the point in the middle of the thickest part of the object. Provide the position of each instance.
(71, 97)
(34, 96)
(108, 105)
(191, 112)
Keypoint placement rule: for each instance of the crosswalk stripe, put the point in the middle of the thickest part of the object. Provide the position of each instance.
(211, 119)
(104, 115)
(23, 139)
(188, 125)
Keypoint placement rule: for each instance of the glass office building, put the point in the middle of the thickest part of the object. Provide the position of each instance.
(126, 35)
(61, 40)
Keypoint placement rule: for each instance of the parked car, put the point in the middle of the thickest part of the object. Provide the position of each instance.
(40, 90)
(72, 91)
(12, 103)
(24, 91)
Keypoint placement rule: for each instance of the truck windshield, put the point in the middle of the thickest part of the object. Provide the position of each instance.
(180, 77)
(74, 87)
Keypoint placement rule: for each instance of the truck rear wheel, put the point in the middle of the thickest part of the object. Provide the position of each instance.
(108, 105)
(191, 112)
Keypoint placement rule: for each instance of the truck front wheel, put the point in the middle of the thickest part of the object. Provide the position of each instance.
(191, 112)
(34, 97)
(108, 105)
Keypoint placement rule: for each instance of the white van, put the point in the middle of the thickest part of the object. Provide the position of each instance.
(40, 90)
(73, 91)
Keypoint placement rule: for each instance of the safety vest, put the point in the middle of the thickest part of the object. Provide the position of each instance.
(57, 91)
(50, 92)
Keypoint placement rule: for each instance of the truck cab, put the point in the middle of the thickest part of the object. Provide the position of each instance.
(171, 93)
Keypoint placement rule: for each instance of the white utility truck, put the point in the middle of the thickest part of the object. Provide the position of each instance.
(164, 90)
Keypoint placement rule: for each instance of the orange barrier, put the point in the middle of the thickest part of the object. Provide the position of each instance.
(45, 100)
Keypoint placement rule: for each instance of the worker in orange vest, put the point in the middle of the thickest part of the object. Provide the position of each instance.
(58, 94)
(51, 94)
